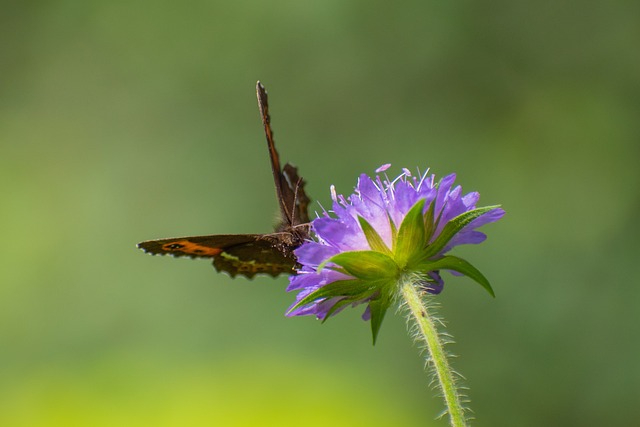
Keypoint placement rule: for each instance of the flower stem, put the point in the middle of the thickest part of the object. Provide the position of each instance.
(428, 334)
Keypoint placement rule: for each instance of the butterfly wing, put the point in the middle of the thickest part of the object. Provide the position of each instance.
(289, 186)
(236, 254)
(297, 198)
(249, 259)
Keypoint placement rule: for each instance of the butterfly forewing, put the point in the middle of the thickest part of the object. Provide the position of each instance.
(243, 254)
(196, 246)
(289, 186)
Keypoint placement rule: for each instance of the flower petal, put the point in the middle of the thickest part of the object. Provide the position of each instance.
(313, 253)
(340, 235)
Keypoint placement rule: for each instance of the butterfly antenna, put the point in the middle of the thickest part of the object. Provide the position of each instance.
(295, 201)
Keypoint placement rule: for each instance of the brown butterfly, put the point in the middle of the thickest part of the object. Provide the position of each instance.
(250, 254)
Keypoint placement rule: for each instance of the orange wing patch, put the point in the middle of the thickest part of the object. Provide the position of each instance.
(190, 248)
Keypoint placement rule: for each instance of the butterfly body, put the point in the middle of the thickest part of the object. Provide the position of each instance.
(251, 254)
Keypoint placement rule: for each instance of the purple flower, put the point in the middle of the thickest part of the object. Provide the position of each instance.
(387, 231)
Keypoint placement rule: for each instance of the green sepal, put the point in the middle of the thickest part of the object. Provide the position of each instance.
(335, 307)
(452, 228)
(378, 308)
(373, 238)
(394, 233)
(429, 224)
(349, 300)
(411, 235)
(454, 263)
(366, 265)
(339, 288)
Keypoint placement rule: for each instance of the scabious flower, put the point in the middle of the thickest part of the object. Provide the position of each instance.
(387, 232)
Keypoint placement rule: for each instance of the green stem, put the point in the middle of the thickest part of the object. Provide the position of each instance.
(437, 356)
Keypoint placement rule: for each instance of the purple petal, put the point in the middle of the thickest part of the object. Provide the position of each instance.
(367, 314)
(471, 199)
(405, 198)
(315, 279)
(338, 234)
(443, 191)
(468, 237)
(369, 191)
(313, 253)
(302, 281)
(492, 216)
(435, 285)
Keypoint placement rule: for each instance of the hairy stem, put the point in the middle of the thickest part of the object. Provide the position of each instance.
(428, 334)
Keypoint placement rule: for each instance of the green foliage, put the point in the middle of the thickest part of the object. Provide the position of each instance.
(453, 263)
(367, 265)
(452, 228)
(373, 238)
(411, 235)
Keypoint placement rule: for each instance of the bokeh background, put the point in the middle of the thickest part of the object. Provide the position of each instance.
(122, 121)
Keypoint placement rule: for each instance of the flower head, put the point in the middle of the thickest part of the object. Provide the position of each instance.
(386, 231)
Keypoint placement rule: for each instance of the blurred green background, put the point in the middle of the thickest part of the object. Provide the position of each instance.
(122, 121)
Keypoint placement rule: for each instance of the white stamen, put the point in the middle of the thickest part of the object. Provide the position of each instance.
(422, 179)
(323, 210)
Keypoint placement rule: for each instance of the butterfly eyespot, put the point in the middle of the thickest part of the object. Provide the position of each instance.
(173, 246)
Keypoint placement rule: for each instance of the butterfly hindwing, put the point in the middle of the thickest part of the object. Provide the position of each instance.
(249, 259)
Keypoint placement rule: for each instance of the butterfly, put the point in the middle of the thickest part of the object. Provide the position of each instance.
(250, 254)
